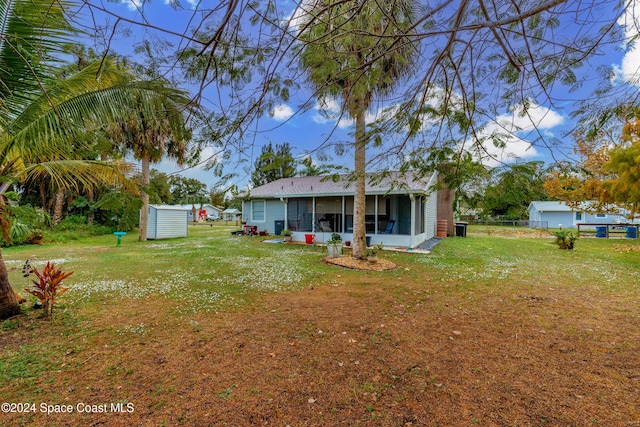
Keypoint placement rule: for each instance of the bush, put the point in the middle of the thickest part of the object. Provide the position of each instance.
(565, 239)
(48, 286)
(26, 224)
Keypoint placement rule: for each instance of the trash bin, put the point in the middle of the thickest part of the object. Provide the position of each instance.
(308, 238)
(368, 240)
(632, 231)
(601, 231)
(278, 227)
(461, 230)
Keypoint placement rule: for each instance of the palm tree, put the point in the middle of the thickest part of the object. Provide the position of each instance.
(152, 135)
(355, 50)
(41, 117)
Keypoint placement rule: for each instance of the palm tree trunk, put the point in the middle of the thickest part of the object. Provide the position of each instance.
(90, 197)
(43, 195)
(359, 197)
(8, 302)
(59, 205)
(144, 214)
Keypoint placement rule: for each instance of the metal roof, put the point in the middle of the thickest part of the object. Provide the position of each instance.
(167, 208)
(551, 206)
(308, 186)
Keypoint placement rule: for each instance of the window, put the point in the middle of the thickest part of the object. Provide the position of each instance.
(601, 215)
(578, 216)
(257, 210)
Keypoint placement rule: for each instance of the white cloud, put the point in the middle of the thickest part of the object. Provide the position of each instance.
(297, 17)
(134, 4)
(510, 127)
(328, 110)
(629, 68)
(281, 112)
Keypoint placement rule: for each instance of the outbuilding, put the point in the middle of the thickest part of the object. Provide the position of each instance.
(166, 222)
(556, 214)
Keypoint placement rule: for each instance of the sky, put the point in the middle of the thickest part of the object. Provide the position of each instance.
(306, 132)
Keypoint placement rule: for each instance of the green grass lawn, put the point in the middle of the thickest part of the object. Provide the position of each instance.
(204, 271)
(119, 295)
(211, 269)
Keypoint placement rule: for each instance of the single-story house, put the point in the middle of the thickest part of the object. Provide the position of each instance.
(166, 222)
(556, 214)
(401, 209)
(207, 211)
(231, 214)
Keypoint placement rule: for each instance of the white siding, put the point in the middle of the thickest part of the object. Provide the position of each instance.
(431, 221)
(274, 210)
(166, 223)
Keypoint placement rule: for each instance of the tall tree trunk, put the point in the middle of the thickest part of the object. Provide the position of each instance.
(144, 214)
(58, 207)
(90, 197)
(43, 194)
(359, 197)
(8, 302)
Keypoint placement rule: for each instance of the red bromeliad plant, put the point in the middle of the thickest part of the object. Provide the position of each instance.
(48, 287)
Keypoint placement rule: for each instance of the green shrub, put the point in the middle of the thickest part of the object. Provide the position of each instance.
(27, 224)
(565, 239)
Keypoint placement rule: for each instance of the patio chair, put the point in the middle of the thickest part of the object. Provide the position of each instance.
(389, 228)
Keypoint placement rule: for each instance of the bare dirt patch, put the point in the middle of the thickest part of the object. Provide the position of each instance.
(360, 264)
(366, 350)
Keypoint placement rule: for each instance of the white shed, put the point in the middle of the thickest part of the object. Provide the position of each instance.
(166, 222)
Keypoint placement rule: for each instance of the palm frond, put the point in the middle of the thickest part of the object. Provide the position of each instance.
(74, 174)
(99, 94)
(31, 33)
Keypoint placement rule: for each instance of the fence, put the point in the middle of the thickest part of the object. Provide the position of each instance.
(543, 225)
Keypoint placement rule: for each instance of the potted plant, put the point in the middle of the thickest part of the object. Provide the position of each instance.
(287, 234)
(372, 254)
(334, 245)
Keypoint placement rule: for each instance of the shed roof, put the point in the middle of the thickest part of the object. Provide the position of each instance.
(307, 186)
(189, 206)
(167, 207)
(551, 206)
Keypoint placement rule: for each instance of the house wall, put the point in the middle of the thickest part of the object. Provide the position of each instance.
(274, 210)
(212, 210)
(555, 219)
(431, 222)
(166, 223)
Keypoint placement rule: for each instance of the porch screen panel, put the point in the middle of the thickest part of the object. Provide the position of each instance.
(329, 214)
(384, 215)
(299, 214)
(404, 215)
(420, 209)
(348, 214)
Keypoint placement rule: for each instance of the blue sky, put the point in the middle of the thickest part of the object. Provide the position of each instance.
(309, 131)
